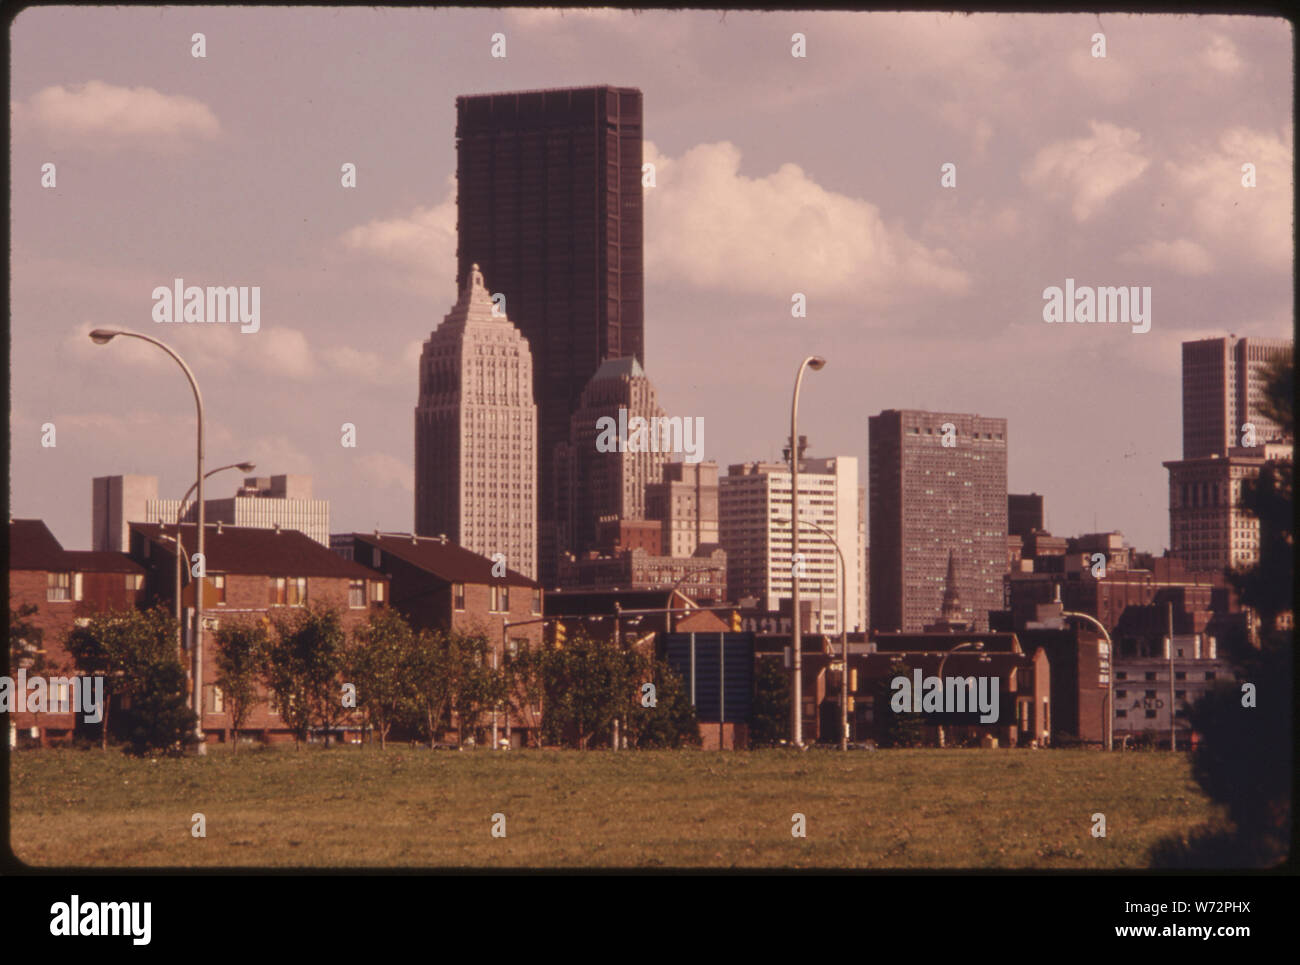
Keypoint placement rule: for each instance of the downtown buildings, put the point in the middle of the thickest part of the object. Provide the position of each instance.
(476, 433)
(265, 502)
(938, 489)
(1227, 441)
(549, 203)
(754, 529)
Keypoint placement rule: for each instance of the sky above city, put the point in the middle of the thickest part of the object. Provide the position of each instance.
(774, 175)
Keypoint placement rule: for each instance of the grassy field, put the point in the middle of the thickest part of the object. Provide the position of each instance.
(360, 807)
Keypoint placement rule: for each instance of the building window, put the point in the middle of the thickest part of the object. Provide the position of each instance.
(216, 700)
(134, 581)
(219, 587)
(1151, 715)
(1150, 675)
(356, 594)
(58, 587)
(537, 601)
(1121, 714)
(1209, 675)
(1180, 675)
(288, 591)
(499, 598)
(1121, 676)
(1121, 694)
(377, 591)
(458, 596)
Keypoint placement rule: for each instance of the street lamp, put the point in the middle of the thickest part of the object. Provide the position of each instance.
(1110, 673)
(102, 336)
(815, 363)
(844, 636)
(974, 645)
(180, 549)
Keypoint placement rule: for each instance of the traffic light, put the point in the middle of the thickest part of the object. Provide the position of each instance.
(559, 633)
(735, 621)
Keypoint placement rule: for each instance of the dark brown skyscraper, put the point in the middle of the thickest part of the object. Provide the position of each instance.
(549, 205)
(938, 517)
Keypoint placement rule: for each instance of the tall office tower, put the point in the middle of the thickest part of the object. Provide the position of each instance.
(1024, 513)
(1222, 388)
(263, 502)
(929, 499)
(608, 472)
(476, 433)
(754, 529)
(117, 501)
(686, 502)
(1208, 529)
(549, 203)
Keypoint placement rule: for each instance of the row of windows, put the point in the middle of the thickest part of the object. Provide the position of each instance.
(67, 587)
(498, 598)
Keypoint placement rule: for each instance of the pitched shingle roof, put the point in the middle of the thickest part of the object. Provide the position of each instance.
(90, 561)
(255, 551)
(445, 560)
(33, 547)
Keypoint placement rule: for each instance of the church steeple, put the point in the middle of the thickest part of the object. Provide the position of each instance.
(950, 619)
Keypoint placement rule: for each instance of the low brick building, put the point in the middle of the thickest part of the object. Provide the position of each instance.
(253, 573)
(64, 586)
(438, 585)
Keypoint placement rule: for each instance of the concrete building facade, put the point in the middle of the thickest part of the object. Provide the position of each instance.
(476, 433)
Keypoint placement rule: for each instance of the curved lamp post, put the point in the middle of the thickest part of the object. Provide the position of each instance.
(102, 336)
(180, 549)
(1110, 677)
(844, 636)
(815, 363)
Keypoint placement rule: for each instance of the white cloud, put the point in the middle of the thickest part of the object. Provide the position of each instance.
(1242, 224)
(104, 116)
(1088, 170)
(1182, 256)
(423, 240)
(711, 227)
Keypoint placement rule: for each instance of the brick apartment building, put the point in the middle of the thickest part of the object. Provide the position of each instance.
(65, 586)
(253, 573)
(438, 585)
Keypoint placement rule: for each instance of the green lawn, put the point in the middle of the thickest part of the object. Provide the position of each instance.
(360, 807)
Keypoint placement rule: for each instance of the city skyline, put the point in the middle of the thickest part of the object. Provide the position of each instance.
(926, 290)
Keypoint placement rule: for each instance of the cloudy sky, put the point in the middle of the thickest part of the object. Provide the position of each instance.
(774, 175)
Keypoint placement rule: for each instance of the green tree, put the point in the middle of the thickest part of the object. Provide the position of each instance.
(135, 651)
(381, 662)
(476, 686)
(897, 729)
(587, 684)
(431, 680)
(240, 657)
(672, 722)
(769, 720)
(26, 641)
(302, 667)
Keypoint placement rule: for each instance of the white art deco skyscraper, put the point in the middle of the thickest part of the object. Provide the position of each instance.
(476, 433)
